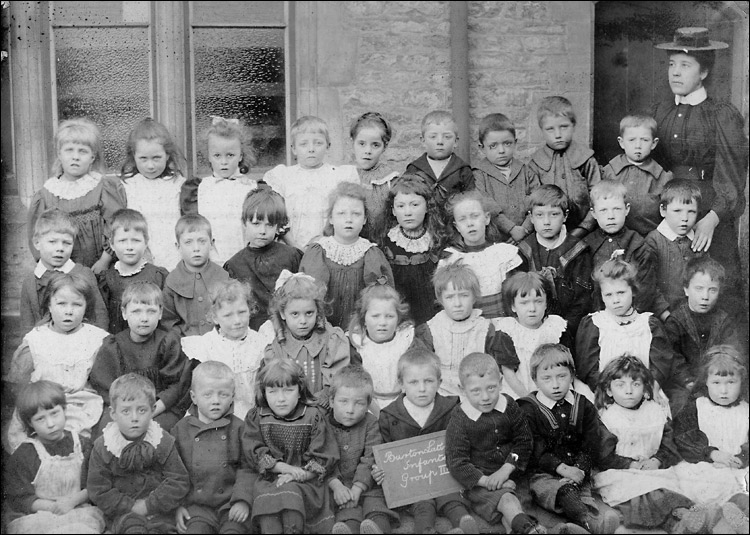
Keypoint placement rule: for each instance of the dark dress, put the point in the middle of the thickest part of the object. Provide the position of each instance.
(412, 275)
(301, 439)
(260, 268)
(112, 285)
(707, 143)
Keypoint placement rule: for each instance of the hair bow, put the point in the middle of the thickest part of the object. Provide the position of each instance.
(216, 119)
(285, 275)
(617, 253)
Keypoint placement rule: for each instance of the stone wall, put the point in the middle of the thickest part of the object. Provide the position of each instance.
(394, 57)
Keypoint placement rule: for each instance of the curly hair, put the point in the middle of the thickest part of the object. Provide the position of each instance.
(383, 292)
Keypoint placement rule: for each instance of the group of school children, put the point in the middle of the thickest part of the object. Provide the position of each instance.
(555, 318)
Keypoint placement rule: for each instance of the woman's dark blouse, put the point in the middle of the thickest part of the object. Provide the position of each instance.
(711, 138)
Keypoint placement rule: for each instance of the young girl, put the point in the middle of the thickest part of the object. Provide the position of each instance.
(370, 134)
(306, 186)
(219, 197)
(473, 242)
(637, 451)
(343, 260)
(62, 349)
(79, 189)
(232, 342)
(620, 328)
(287, 440)
(412, 243)
(380, 332)
(263, 259)
(152, 177)
(712, 429)
(527, 327)
(302, 333)
(49, 469)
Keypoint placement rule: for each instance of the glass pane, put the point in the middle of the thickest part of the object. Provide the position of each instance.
(104, 74)
(239, 73)
(250, 13)
(100, 13)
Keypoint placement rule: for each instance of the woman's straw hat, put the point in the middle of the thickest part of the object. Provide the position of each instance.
(692, 39)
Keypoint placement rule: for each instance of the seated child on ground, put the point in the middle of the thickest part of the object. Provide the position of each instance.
(136, 476)
(421, 410)
(48, 470)
(359, 501)
(208, 440)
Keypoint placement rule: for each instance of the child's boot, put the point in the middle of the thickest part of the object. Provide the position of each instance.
(368, 527)
(468, 524)
(339, 528)
(568, 528)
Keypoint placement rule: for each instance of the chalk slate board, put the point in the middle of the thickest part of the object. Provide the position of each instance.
(415, 469)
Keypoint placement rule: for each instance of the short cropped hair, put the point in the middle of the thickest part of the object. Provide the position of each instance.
(608, 189)
(212, 369)
(309, 124)
(144, 292)
(521, 284)
(555, 106)
(130, 387)
(549, 195)
(634, 121)
(128, 219)
(263, 203)
(479, 364)
(83, 131)
(706, 265)
(418, 357)
(495, 122)
(460, 275)
(438, 117)
(192, 223)
(353, 376)
(55, 220)
(550, 355)
(36, 396)
(682, 191)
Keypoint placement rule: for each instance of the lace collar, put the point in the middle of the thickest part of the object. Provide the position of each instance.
(410, 245)
(381, 174)
(114, 442)
(346, 255)
(68, 190)
(118, 268)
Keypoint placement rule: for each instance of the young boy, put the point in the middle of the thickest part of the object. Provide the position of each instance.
(360, 503)
(565, 163)
(421, 410)
(129, 240)
(459, 328)
(54, 234)
(263, 259)
(136, 476)
(488, 444)
(643, 177)
(208, 440)
(698, 324)
(143, 348)
(306, 185)
(445, 172)
(563, 260)
(187, 290)
(503, 178)
(610, 208)
(671, 242)
(565, 427)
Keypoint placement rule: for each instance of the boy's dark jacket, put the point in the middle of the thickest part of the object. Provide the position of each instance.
(396, 423)
(456, 177)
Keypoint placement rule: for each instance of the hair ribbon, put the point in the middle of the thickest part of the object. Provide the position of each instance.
(217, 119)
(286, 275)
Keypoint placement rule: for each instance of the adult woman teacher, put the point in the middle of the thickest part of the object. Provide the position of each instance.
(702, 139)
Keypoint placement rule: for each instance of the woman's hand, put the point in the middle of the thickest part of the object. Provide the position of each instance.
(704, 232)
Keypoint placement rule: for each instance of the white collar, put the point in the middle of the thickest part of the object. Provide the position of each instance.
(558, 242)
(115, 442)
(70, 190)
(118, 268)
(345, 254)
(670, 234)
(693, 99)
(549, 403)
(40, 270)
(418, 245)
(474, 413)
